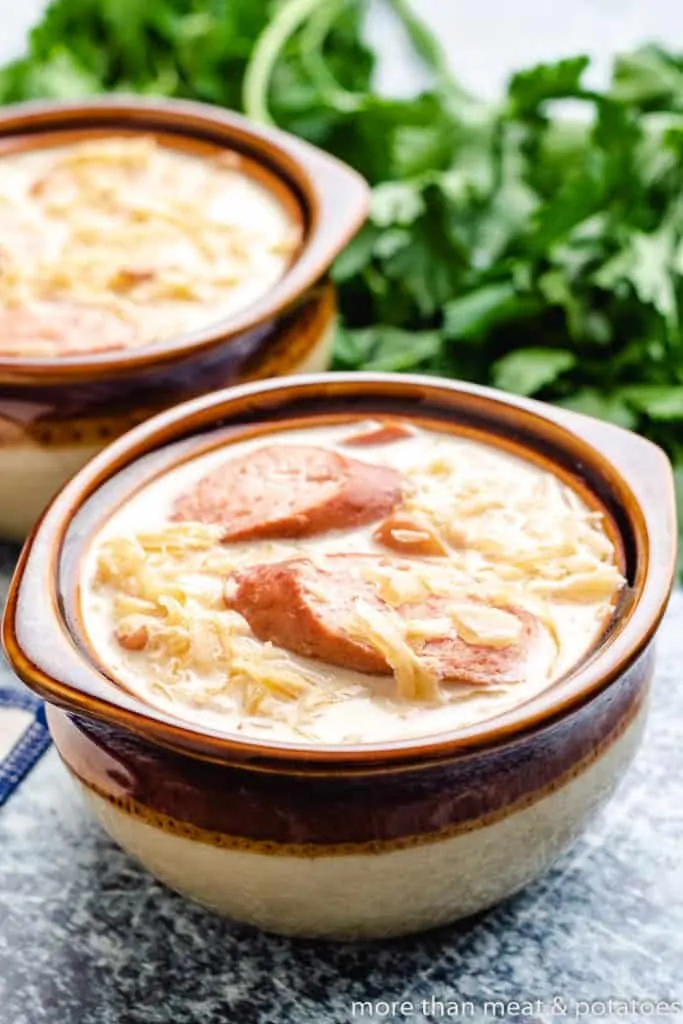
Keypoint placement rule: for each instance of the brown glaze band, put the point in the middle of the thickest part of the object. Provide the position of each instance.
(76, 415)
(283, 812)
(301, 333)
(186, 830)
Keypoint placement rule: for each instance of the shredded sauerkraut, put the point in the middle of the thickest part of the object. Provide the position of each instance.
(168, 605)
(538, 532)
(519, 540)
(384, 632)
(161, 241)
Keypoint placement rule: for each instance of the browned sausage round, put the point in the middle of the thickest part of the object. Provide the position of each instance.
(290, 491)
(47, 329)
(454, 659)
(410, 534)
(302, 607)
(386, 432)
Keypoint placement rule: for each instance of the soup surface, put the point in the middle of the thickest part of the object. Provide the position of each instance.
(118, 242)
(347, 583)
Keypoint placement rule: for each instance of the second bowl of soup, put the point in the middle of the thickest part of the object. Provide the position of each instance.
(149, 252)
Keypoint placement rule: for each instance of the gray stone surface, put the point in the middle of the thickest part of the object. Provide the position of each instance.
(88, 937)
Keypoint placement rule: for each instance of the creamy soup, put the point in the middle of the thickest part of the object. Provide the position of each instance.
(114, 243)
(358, 582)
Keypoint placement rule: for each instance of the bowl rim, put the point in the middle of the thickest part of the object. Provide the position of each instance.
(334, 201)
(635, 469)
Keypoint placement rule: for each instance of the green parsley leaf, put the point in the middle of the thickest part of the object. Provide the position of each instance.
(528, 370)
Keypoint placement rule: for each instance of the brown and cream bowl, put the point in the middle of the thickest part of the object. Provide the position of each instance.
(349, 655)
(151, 251)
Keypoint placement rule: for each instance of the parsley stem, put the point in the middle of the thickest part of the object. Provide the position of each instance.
(428, 48)
(314, 35)
(266, 52)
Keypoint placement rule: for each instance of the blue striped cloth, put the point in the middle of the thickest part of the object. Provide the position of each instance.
(24, 736)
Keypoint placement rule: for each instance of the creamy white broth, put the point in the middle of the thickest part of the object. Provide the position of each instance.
(121, 241)
(572, 592)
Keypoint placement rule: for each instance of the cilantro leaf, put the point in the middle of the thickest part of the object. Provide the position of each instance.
(649, 77)
(386, 348)
(660, 402)
(602, 405)
(528, 370)
(529, 89)
(470, 315)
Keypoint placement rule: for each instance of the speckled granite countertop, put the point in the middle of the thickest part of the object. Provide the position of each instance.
(87, 937)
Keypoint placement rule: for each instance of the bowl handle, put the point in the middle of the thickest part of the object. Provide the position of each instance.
(340, 198)
(647, 471)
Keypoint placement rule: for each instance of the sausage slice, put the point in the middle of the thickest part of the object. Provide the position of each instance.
(455, 658)
(290, 491)
(386, 432)
(409, 534)
(302, 607)
(46, 329)
(305, 608)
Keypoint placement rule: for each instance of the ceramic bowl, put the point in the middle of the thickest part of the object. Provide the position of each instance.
(362, 840)
(56, 413)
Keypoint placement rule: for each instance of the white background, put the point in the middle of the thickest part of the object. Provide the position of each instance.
(484, 38)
